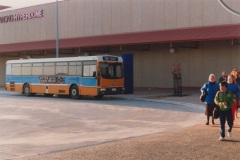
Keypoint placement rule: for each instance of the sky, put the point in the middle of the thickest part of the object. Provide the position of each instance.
(15, 4)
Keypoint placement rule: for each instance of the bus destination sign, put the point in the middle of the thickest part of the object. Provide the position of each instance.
(110, 58)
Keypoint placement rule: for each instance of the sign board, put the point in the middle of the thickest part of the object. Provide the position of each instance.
(22, 16)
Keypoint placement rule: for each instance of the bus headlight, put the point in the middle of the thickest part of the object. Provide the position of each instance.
(103, 89)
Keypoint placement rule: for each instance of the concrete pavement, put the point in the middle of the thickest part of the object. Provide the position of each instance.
(40, 125)
(195, 142)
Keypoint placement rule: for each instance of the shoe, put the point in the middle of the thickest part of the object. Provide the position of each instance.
(221, 139)
(229, 134)
(207, 123)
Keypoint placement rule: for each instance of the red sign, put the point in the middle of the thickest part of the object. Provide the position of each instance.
(22, 16)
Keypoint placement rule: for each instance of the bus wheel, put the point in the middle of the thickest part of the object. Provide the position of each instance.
(26, 90)
(74, 93)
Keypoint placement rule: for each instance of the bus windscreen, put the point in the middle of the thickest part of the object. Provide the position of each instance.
(111, 70)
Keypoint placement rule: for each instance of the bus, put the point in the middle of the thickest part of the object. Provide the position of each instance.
(74, 76)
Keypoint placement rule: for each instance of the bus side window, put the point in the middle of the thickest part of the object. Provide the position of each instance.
(61, 68)
(16, 69)
(88, 70)
(75, 68)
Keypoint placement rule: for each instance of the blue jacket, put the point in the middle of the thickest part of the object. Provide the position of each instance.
(211, 89)
(234, 88)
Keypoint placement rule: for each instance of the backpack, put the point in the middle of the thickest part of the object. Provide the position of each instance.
(203, 96)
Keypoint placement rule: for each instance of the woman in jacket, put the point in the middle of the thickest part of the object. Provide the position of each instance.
(233, 87)
(210, 88)
(235, 73)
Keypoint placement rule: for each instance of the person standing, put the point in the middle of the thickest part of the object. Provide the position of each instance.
(224, 99)
(223, 77)
(234, 88)
(210, 88)
(235, 73)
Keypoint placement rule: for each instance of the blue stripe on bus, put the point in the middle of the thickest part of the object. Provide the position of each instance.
(84, 81)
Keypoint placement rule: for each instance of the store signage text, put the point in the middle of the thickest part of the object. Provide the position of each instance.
(22, 16)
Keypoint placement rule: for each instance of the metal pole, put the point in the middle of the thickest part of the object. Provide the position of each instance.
(57, 36)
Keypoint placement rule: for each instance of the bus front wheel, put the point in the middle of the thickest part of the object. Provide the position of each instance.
(74, 93)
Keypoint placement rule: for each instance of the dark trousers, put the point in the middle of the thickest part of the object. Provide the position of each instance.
(223, 116)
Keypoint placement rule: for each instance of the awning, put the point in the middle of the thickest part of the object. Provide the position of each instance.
(172, 35)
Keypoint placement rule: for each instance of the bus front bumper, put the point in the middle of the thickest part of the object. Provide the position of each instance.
(111, 91)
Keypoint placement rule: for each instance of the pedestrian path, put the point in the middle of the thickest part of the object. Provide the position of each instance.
(189, 98)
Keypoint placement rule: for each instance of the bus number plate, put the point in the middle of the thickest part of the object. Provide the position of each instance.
(114, 89)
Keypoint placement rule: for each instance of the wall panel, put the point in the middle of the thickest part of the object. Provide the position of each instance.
(98, 17)
(64, 16)
(159, 14)
(73, 18)
(170, 14)
(50, 11)
(80, 18)
(235, 4)
(116, 16)
(209, 12)
(147, 15)
(107, 16)
(126, 16)
(88, 18)
(80, 23)
(137, 15)
(183, 13)
(196, 15)
(223, 16)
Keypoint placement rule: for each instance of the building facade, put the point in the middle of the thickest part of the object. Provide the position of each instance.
(205, 36)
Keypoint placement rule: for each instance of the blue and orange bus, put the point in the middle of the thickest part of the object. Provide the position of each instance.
(75, 76)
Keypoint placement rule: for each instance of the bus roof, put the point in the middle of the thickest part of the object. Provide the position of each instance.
(67, 59)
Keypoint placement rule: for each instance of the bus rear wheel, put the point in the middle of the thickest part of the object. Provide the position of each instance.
(26, 90)
(74, 92)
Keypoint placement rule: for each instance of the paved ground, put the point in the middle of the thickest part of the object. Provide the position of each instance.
(197, 142)
(193, 142)
(40, 125)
